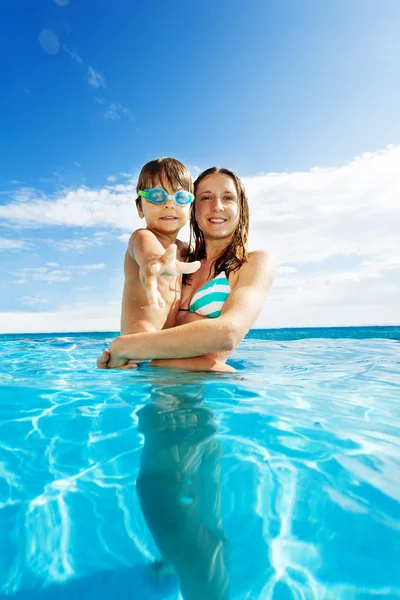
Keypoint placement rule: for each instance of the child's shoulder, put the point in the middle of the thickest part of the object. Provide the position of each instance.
(141, 235)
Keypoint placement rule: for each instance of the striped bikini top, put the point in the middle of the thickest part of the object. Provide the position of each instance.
(209, 299)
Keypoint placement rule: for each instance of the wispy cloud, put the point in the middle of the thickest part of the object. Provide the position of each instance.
(77, 245)
(9, 244)
(73, 54)
(95, 78)
(114, 110)
(58, 274)
(33, 301)
(111, 178)
(52, 276)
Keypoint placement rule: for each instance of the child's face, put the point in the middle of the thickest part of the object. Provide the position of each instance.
(167, 218)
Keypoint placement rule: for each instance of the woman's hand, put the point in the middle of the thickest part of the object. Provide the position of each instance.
(107, 361)
(167, 264)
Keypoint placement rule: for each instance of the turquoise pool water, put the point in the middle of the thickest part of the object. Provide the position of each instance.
(278, 482)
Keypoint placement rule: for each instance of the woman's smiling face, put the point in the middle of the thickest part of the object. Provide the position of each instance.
(216, 205)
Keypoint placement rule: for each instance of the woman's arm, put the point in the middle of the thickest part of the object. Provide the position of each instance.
(207, 336)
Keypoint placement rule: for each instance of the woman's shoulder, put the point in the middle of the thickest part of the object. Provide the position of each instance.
(260, 264)
(260, 255)
(261, 259)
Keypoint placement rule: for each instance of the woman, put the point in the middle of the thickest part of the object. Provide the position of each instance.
(222, 300)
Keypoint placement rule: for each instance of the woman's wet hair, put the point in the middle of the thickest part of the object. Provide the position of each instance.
(235, 253)
(162, 171)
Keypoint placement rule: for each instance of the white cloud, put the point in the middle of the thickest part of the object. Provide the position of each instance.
(25, 194)
(52, 264)
(73, 54)
(52, 276)
(124, 237)
(83, 317)
(78, 245)
(112, 112)
(111, 178)
(8, 244)
(350, 210)
(33, 300)
(115, 110)
(77, 208)
(95, 78)
(98, 267)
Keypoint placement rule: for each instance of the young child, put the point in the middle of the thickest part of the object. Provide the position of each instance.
(153, 265)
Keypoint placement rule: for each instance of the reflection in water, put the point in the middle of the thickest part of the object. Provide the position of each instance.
(180, 491)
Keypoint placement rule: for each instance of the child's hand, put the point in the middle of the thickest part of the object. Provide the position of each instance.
(167, 264)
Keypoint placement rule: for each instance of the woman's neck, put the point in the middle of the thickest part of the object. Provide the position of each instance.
(214, 249)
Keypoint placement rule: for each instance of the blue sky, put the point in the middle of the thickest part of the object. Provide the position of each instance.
(303, 89)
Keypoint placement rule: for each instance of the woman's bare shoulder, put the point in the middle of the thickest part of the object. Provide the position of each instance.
(260, 255)
(260, 264)
(260, 259)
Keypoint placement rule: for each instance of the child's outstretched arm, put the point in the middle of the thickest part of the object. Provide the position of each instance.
(154, 260)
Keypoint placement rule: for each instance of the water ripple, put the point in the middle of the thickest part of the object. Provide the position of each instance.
(277, 482)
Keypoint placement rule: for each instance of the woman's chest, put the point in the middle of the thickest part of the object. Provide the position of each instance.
(198, 279)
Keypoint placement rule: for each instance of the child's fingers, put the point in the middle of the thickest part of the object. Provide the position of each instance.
(170, 255)
(171, 251)
(191, 267)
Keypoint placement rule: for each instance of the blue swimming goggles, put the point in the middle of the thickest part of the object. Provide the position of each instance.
(158, 196)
